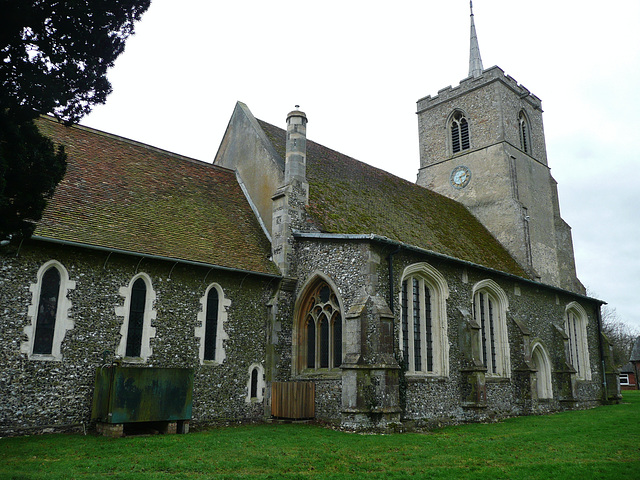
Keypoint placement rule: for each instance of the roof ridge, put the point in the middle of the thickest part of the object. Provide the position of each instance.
(136, 143)
(368, 165)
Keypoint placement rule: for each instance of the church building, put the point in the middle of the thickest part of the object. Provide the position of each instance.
(287, 280)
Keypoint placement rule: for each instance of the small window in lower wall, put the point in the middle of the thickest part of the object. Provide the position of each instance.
(624, 379)
(255, 385)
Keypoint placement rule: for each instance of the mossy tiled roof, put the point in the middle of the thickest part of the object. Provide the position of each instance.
(128, 196)
(350, 197)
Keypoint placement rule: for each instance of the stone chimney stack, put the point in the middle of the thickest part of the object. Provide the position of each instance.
(295, 170)
(292, 197)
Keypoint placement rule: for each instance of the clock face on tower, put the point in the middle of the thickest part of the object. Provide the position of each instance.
(460, 177)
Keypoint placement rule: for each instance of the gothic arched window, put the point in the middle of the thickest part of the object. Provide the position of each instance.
(423, 332)
(459, 132)
(525, 137)
(321, 329)
(575, 326)
(489, 311)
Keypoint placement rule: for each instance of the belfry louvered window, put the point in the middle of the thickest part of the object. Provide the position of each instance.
(525, 138)
(322, 329)
(459, 133)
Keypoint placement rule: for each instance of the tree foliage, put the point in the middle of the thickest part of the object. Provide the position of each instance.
(31, 168)
(54, 57)
(620, 335)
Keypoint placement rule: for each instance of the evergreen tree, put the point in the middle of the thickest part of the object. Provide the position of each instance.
(54, 57)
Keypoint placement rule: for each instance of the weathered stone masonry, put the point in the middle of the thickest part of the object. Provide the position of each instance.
(535, 315)
(39, 393)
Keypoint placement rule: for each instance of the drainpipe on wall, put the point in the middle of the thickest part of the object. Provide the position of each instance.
(391, 283)
(601, 348)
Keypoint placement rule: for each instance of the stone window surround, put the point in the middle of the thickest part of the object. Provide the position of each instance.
(148, 332)
(450, 121)
(298, 364)
(499, 297)
(439, 289)
(524, 131)
(63, 322)
(223, 306)
(580, 339)
(259, 388)
(544, 381)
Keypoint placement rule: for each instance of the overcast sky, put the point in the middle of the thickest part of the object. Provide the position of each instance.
(357, 69)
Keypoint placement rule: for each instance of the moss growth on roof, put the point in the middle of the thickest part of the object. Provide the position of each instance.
(125, 195)
(350, 197)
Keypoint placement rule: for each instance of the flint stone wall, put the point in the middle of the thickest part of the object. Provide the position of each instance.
(57, 393)
(360, 266)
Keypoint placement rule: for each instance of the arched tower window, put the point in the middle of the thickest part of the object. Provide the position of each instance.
(575, 326)
(319, 344)
(459, 132)
(489, 311)
(423, 332)
(525, 136)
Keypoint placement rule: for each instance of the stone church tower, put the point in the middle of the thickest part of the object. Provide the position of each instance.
(482, 143)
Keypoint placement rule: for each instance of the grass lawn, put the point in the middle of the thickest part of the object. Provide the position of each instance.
(602, 443)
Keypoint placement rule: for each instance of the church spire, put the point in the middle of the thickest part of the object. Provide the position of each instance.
(475, 61)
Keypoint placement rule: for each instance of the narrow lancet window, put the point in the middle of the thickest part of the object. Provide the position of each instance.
(136, 318)
(47, 312)
(525, 138)
(211, 328)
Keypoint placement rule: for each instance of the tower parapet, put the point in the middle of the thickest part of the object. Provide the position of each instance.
(482, 144)
(490, 75)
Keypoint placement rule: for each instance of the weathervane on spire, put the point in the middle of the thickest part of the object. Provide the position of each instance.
(475, 61)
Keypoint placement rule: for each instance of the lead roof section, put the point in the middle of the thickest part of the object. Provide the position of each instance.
(350, 197)
(125, 195)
